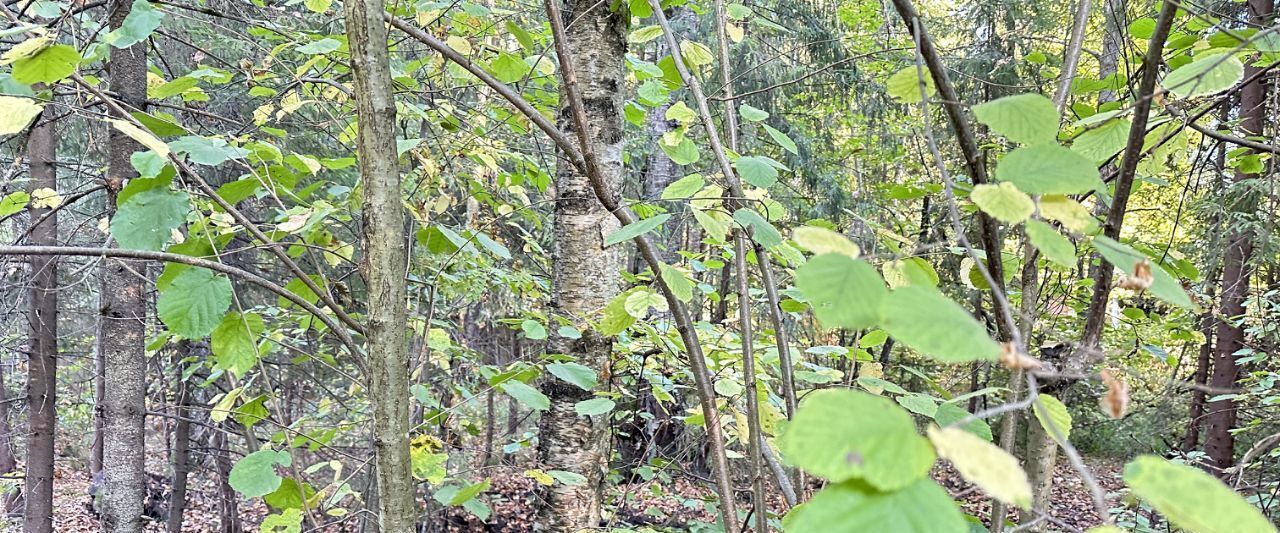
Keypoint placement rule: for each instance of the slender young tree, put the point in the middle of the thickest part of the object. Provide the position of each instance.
(42, 362)
(586, 274)
(1236, 269)
(122, 319)
(384, 264)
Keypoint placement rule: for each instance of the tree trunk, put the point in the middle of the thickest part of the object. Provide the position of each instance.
(1195, 412)
(181, 446)
(121, 324)
(228, 500)
(42, 362)
(384, 265)
(1236, 271)
(587, 275)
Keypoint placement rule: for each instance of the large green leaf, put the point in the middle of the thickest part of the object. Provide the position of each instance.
(1204, 76)
(582, 376)
(1048, 169)
(853, 507)
(757, 171)
(683, 187)
(842, 434)
(761, 230)
(950, 413)
(255, 474)
(636, 229)
(1125, 259)
(1192, 499)
(1003, 201)
(49, 65)
(147, 219)
(925, 320)
(983, 464)
(1052, 414)
(13, 203)
(1052, 244)
(844, 292)
(904, 85)
(194, 304)
(1102, 142)
(234, 342)
(1025, 118)
(143, 19)
(526, 395)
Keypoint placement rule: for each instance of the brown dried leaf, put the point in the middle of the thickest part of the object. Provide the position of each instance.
(1116, 401)
(1012, 357)
(1140, 279)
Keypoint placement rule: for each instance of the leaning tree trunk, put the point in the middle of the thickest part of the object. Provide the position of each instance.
(384, 264)
(121, 324)
(1219, 441)
(586, 274)
(42, 362)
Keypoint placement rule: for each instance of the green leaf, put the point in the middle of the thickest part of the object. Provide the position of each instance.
(321, 46)
(616, 318)
(1204, 76)
(645, 34)
(582, 376)
(317, 6)
(904, 85)
(288, 521)
(695, 53)
(1050, 410)
(533, 330)
(636, 229)
(469, 492)
(950, 413)
(782, 139)
(824, 241)
(681, 113)
(13, 203)
(1125, 259)
(526, 395)
(1004, 202)
(752, 114)
(509, 68)
(1192, 499)
(761, 230)
(234, 342)
(683, 187)
(983, 464)
(142, 20)
(909, 271)
(679, 148)
(926, 321)
(1068, 212)
(255, 475)
(593, 407)
(147, 219)
(1100, 143)
(194, 304)
(677, 282)
(290, 495)
(921, 507)
(842, 434)
(844, 292)
(1052, 244)
(1048, 169)
(171, 88)
(919, 404)
(638, 304)
(757, 171)
(49, 65)
(209, 151)
(1024, 118)
(568, 478)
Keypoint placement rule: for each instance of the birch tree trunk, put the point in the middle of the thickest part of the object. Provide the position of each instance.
(121, 324)
(587, 275)
(384, 264)
(42, 362)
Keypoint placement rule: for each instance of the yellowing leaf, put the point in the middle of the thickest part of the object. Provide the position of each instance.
(142, 136)
(821, 241)
(1070, 213)
(1051, 412)
(541, 477)
(984, 464)
(26, 49)
(1004, 202)
(16, 113)
(45, 198)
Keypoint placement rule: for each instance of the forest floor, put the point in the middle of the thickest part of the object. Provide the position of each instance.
(670, 506)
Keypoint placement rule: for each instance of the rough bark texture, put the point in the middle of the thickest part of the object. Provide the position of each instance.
(42, 361)
(587, 275)
(121, 324)
(384, 264)
(181, 453)
(1195, 412)
(1236, 271)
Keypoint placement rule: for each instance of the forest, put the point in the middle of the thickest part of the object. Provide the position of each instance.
(639, 266)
